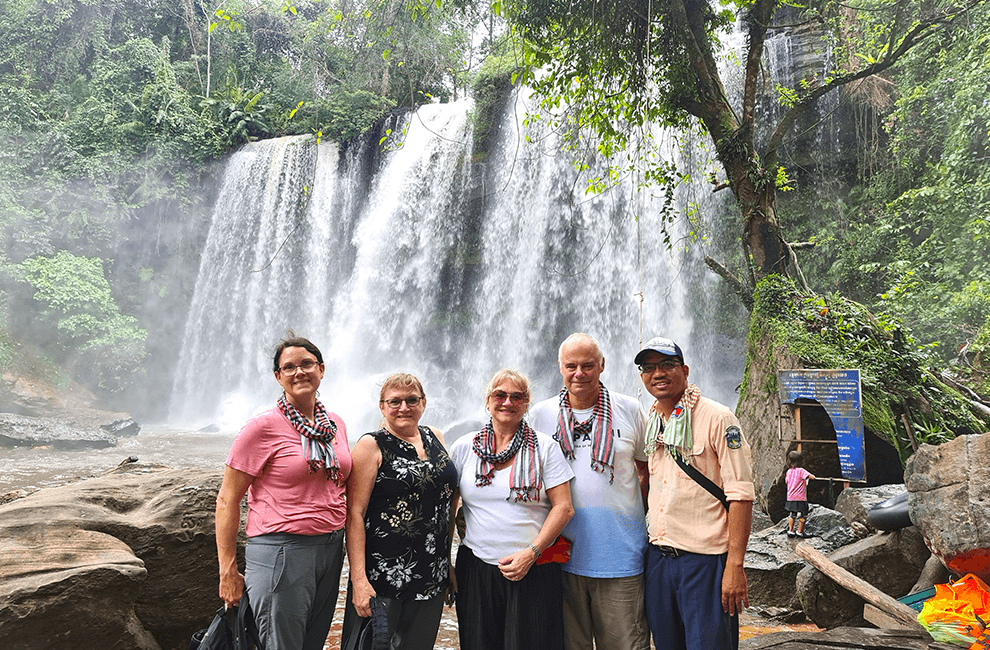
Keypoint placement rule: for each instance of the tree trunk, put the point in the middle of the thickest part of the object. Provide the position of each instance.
(761, 230)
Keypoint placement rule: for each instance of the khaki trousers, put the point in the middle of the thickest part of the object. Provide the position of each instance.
(605, 613)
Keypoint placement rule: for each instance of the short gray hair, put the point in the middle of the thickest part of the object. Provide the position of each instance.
(576, 336)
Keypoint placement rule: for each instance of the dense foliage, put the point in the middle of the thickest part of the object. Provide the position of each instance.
(899, 388)
(111, 113)
(620, 68)
(908, 231)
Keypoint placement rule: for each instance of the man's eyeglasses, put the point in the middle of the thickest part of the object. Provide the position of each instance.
(650, 368)
(501, 396)
(410, 401)
(305, 366)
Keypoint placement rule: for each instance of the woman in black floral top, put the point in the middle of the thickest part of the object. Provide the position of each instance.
(398, 520)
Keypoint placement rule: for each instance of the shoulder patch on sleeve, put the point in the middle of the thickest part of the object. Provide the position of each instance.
(733, 437)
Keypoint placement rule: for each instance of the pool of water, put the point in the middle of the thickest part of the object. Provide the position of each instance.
(36, 467)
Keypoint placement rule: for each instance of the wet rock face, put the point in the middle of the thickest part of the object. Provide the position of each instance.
(27, 431)
(125, 560)
(949, 500)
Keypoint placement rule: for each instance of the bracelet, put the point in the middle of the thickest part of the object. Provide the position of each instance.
(535, 550)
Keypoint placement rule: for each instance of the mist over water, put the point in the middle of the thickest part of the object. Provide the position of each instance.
(427, 261)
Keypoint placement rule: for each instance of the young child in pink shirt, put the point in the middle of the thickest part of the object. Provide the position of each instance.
(797, 494)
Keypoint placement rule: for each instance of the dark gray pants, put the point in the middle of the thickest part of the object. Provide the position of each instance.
(292, 582)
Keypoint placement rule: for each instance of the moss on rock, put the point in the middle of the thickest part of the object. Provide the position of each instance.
(832, 332)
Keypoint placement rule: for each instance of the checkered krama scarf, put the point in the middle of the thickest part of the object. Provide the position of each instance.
(316, 438)
(526, 480)
(602, 447)
(675, 436)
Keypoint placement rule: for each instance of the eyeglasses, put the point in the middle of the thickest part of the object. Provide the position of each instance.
(650, 368)
(305, 366)
(410, 401)
(501, 396)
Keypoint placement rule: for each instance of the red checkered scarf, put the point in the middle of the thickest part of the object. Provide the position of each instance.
(316, 438)
(526, 480)
(602, 448)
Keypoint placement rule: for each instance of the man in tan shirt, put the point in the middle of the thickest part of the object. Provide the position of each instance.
(695, 582)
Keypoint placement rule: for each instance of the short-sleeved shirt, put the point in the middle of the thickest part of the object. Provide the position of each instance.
(797, 484)
(407, 548)
(609, 524)
(682, 513)
(285, 497)
(496, 524)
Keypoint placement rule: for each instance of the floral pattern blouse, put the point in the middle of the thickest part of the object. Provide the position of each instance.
(407, 552)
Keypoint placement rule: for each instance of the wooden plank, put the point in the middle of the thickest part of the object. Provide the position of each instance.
(841, 638)
(882, 619)
(858, 586)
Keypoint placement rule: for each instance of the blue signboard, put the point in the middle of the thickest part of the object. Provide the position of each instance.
(840, 393)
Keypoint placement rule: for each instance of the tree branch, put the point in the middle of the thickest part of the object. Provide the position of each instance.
(744, 293)
(918, 33)
(757, 21)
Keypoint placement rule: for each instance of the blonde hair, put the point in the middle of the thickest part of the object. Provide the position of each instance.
(511, 375)
(401, 380)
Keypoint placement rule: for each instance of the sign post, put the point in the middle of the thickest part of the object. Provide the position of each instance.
(840, 393)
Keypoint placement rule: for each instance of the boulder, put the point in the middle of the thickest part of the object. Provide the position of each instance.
(27, 431)
(891, 562)
(122, 427)
(68, 402)
(69, 588)
(771, 564)
(949, 486)
(855, 503)
(141, 534)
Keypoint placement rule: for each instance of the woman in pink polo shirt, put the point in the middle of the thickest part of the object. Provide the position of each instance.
(293, 462)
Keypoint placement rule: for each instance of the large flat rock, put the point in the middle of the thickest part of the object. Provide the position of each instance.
(28, 431)
(129, 557)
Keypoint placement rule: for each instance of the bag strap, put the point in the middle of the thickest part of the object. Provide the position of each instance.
(703, 481)
(246, 635)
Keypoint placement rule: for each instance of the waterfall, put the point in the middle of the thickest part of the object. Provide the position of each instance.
(427, 261)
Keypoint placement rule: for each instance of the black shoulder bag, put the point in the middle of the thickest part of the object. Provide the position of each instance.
(232, 628)
(702, 480)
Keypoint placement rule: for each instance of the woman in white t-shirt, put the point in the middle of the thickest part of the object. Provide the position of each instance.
(514, 485)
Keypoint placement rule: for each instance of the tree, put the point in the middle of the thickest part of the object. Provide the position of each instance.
(76, 296)
(620, 65)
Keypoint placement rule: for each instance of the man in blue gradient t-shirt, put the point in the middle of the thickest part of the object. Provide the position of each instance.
(603, 436)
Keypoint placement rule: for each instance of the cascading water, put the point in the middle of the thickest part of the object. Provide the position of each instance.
(431, 264)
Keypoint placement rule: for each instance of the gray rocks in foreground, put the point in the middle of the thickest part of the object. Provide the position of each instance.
(949, 500)
(771, 564)
(842, 638)
(891, 562)
(27, 431)
(125, 560)
(855, 503)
